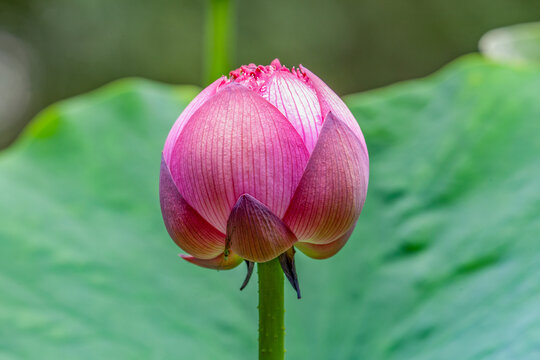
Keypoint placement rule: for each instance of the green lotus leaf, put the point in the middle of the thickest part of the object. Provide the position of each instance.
(444, 263)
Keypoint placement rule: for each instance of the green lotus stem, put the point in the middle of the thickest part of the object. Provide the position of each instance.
(219, 38)
(271, 311)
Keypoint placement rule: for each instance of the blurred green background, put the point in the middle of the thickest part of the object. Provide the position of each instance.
(443, 264)
(50, 50)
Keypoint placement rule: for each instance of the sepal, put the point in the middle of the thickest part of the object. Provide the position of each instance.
(289, 269)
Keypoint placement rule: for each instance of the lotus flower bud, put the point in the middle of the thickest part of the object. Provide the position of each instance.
(261, 162)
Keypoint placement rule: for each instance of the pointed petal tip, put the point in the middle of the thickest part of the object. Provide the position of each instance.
(218, 263)
(330, 117)
(255, 233)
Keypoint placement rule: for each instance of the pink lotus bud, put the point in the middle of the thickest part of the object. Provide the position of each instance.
(259, 162)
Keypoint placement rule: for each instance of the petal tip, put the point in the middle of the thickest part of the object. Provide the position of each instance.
(255, 233)
(220, 262)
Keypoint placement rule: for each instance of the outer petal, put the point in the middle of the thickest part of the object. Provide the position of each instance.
(200, 99)
(333, 189)
(255, 233)
(324, 251)
(237, 143)
(298, 102)
(220, 262)
(331, 102)
(185, 226)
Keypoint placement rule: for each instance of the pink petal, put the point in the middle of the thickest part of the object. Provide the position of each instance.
(185, 226)
(324, 251)
(220, 262)
(255, 233)
(200, 99)
(331, 102)
(237, 143)
(298, 102)
(333, 189)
